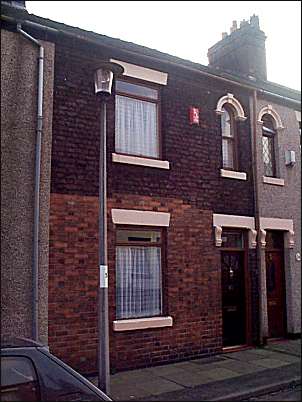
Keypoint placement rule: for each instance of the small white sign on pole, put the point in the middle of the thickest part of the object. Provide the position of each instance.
(103, 276)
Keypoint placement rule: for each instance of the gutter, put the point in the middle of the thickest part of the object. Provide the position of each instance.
(152, 58)
(35, 268)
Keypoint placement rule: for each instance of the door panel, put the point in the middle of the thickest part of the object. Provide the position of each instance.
(233, 298)
(275, 294)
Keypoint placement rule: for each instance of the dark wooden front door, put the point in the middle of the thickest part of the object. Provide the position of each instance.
(233, 298)
(275, 294)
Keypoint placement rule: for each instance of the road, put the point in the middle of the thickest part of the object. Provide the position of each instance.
(289, 394)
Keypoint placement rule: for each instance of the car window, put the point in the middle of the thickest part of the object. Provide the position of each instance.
(18, 379)
(62, 383)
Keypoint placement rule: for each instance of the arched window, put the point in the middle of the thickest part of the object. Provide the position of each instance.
(229, 140)
(268, 145)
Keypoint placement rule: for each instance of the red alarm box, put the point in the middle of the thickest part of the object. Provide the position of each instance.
(194, 115)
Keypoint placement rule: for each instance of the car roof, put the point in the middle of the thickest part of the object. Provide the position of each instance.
(15, 342)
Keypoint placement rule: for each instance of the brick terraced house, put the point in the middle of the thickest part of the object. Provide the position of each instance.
(203, 202)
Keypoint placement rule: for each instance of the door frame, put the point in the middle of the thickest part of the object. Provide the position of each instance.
(247, 283)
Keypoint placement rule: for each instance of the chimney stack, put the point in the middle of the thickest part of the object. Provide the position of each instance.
(242, 52)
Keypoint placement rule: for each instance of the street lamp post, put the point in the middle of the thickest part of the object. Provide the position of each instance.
(103, 84)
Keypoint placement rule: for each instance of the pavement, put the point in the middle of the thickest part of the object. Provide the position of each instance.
(229, 376)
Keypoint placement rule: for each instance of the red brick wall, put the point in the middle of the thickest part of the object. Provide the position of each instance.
(191, 275)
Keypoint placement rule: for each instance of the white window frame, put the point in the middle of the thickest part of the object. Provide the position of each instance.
(141, 218)
(239, 115)
(149, 76)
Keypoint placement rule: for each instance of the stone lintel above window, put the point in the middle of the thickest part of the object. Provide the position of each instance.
(143, 73)
(140, 218)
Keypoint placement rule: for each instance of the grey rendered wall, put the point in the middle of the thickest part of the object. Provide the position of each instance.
(285, 202)
(18, 133)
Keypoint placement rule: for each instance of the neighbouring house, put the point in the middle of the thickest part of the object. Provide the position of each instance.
(203, 203)
(19, 312)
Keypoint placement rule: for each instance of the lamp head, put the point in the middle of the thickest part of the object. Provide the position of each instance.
(103, 77)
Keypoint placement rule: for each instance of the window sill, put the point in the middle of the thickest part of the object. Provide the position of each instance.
(273, 180)
(231, 174)
(135, 160)
(142, 323)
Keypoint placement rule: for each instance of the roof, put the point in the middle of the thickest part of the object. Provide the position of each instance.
(9, 342)
(152, 54)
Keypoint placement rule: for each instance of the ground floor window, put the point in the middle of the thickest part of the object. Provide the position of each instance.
(138, 273)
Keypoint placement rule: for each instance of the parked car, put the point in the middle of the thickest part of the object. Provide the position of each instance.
(29, 372)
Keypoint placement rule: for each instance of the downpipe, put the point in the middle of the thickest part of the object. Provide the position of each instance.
(35, 268)
(261, 277)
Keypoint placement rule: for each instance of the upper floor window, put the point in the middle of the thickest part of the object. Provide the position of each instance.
(268, 146)
(229, 140)
(137, 119)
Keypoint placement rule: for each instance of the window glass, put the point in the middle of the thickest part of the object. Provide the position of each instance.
(268, 146)
(138, 274)
(268, 124)
(18, 380)
(226, 124)
(136, 120)
(136, 127)
(232, 239)
(228, 138)
(274, 240)
(267, 149)
(138, 236)
(227, 154)
(134, 89)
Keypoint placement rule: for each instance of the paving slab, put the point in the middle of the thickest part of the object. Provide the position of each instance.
(133, 375)
(207, 360)
(290, 347)
(190, 366)
(126, 393)
(221, 373)
(248, 355)
(159, 386)
(270, 363)
(242, 367)
(188, 379)
(164, 370)
(287, 358)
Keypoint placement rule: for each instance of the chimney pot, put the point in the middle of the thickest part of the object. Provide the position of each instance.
(224, 35)
(243, 23)
(234, 26)
(254, 21)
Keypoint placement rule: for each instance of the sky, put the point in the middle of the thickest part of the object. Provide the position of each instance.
(187, 29)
